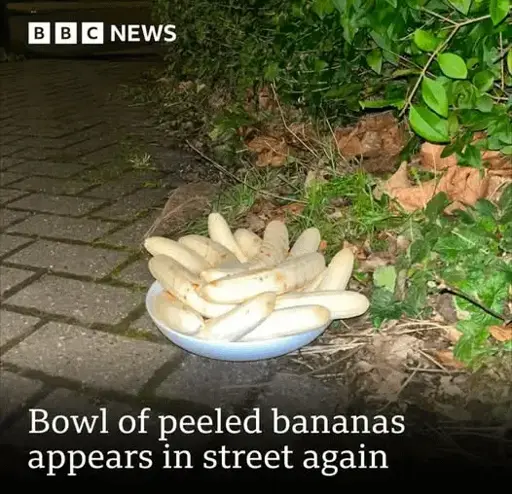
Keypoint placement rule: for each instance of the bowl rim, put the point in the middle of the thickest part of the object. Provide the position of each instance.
(157, 288)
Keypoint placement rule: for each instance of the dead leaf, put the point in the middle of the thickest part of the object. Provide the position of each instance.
(378, 139)
(284, 212)
(271, 151)
(372, 263)
(430, 157)
(323, 246)
(265, 99)
(452, 334)
(447, 358)
(501, 333)
(357, 250)
(462, 185)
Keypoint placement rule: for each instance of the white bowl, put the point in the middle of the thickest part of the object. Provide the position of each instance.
(229, 351)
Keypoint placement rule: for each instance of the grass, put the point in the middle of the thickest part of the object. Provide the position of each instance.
(343, 208)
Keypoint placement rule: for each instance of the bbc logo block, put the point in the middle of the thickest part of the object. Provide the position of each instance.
(65, 33)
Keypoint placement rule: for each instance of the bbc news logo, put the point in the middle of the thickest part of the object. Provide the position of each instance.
(95, 33)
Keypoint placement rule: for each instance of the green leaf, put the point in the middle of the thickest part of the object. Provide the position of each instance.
(436, 206)
(323, 8)
(509, 61)
(385, 277)
(452, 66)
(434, 95)
(485, 103)
(419, 250)
(384, 307)
(428, 125)
(483, 80)
(271, 71)
(374, 60)
(505, 201)
(382, 103)
(425, 40)
(486, 208)
(498, 10)
(461, 5)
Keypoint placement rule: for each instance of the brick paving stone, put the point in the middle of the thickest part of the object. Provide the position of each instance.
(10, 277)
(301, 395)
(67, 402)
(8, 217)
(132, 236)
(124, 185)
(7, 163)
(50, 185)
(100, 174)
(97, 359)
(61, 227)
(48, 169)
(74, 259)
(88, 302)
(136, 273)
(11, 149)
(207, 381)
(9, 195)
(129, 206)
(65, 205)
(145, 324)
(8, 178)
(10, 242)
(14, 325)
(14, 392)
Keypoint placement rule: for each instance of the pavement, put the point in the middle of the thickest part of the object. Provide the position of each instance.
(74, 330)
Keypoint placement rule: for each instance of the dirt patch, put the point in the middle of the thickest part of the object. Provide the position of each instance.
(407, 364)
(185, 203)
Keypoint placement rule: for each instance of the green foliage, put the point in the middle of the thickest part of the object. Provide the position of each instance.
(469, 252)
(447, 65)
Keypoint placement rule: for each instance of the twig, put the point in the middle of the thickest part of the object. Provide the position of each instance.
(436, 52)
(433, 360)
(234, 177)
(443, 288)
(294, 134)
(332, 364)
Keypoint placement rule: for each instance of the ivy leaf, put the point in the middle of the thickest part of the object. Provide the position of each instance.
(498, 10)
(374, 60)
(436, 206)
(384, 307)
(385, 277)
(509, 61)
(461, 5)
(483, 80)
(452, 66)
(428, 125)
(425, 40)
(435, 97)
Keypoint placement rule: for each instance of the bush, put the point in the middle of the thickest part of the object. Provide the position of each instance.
(446, 65)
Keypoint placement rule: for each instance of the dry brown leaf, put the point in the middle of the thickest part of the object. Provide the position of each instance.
(372, 263)
(462, 185)
(323, 246)
(430, 157)
(501, 333)
(271, 151)
(446, 358)
(378, 139)
(452, 334)
(265, 99)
